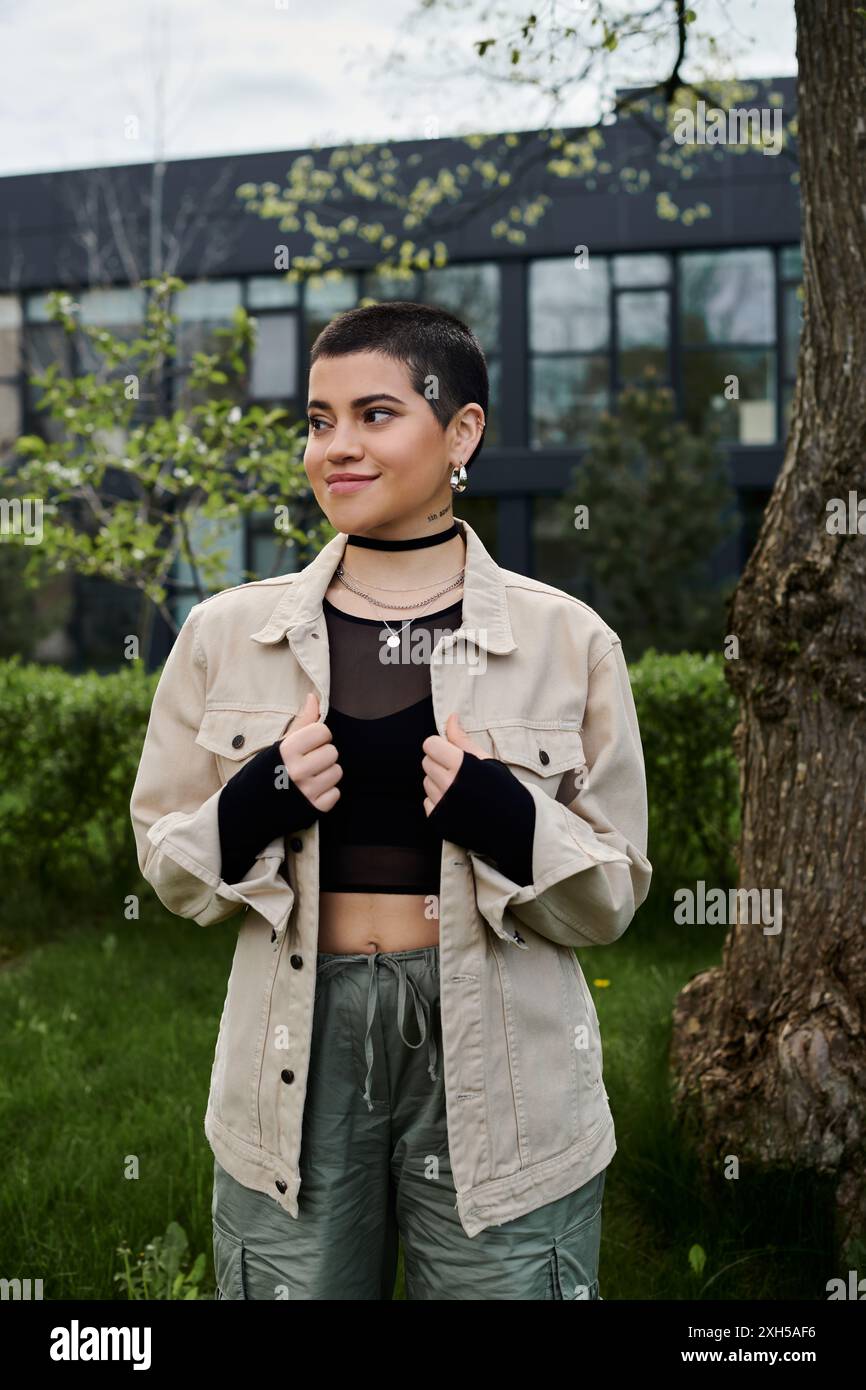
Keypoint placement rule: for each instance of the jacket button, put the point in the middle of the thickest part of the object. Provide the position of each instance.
(280, 1185)
(543, 756)
(287, 1076)
(296, 844)
(296, 962)
(238, 741)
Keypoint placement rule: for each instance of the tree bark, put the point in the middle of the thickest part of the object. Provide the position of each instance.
(769, 1048)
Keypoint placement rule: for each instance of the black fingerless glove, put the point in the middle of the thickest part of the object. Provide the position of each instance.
(253, 810)
(488, 810)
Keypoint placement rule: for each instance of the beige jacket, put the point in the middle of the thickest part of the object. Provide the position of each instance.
(539, 681)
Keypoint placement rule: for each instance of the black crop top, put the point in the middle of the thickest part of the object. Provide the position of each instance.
(378, 837)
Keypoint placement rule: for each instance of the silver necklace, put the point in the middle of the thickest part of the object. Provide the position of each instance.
(402, 588)
(393, 640)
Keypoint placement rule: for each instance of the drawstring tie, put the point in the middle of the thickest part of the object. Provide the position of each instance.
(422, 1008)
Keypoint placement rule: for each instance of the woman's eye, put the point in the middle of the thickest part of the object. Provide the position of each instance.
(316, 420)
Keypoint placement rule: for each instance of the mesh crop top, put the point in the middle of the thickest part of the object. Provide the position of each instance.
(378, 837)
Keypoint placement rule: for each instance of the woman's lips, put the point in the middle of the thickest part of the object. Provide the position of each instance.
(350, 484)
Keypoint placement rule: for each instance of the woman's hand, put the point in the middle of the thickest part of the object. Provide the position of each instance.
(310, 756)
(442, 760)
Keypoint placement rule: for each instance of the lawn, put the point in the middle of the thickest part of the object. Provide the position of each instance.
(107, 1032)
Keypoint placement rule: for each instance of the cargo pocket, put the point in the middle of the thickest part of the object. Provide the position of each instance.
(574, 1261)
(228, 1260)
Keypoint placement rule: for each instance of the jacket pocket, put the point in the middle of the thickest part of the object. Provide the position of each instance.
(228, 1260)
(543, 752)
(234, 734)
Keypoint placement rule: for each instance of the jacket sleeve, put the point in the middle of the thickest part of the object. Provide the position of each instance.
(254, 807)
(175, 805)
(589, 864)
(488, 807)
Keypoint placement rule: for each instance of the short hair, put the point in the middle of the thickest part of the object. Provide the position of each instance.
(430, 341)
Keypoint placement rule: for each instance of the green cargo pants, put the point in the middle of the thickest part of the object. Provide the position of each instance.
(375, 1169)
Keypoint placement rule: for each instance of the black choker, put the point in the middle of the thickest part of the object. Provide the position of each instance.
(415, 543)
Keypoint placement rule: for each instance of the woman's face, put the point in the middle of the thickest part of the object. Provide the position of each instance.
(366, 419)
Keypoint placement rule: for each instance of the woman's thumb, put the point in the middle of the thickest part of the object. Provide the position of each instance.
(456, 734)
(309, 712)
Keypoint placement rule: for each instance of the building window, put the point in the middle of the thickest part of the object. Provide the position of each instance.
(641, 271)
(569, 345)
(472, 293)
(642, 334)
(642, 300)
(44, 342)
(727, 333)
(274, 366)
(568, 396)
(273, 376)
(202, 308)
(120, 310)
(569, 306)
(272, 292)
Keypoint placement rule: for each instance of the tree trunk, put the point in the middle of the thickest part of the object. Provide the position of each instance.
(769, 1048)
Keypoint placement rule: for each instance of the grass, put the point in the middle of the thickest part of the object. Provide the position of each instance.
(107, 1031)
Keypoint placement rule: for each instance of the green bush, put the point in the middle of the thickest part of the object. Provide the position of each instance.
(687, 715)
(70, 745)
(69, 749)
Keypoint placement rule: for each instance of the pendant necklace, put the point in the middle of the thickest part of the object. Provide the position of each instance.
(393, 640)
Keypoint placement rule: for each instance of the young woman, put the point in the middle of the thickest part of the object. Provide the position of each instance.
(421, 776)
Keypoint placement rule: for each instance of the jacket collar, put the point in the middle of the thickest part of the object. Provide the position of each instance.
(485, 603)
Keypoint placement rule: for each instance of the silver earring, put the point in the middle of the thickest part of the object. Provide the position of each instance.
(458, 478)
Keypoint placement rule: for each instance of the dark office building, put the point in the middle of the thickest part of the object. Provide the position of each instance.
(560, 344)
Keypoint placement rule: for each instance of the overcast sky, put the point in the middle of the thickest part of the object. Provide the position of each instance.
(79, 78)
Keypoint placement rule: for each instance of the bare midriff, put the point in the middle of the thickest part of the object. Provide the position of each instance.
(356, 923)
